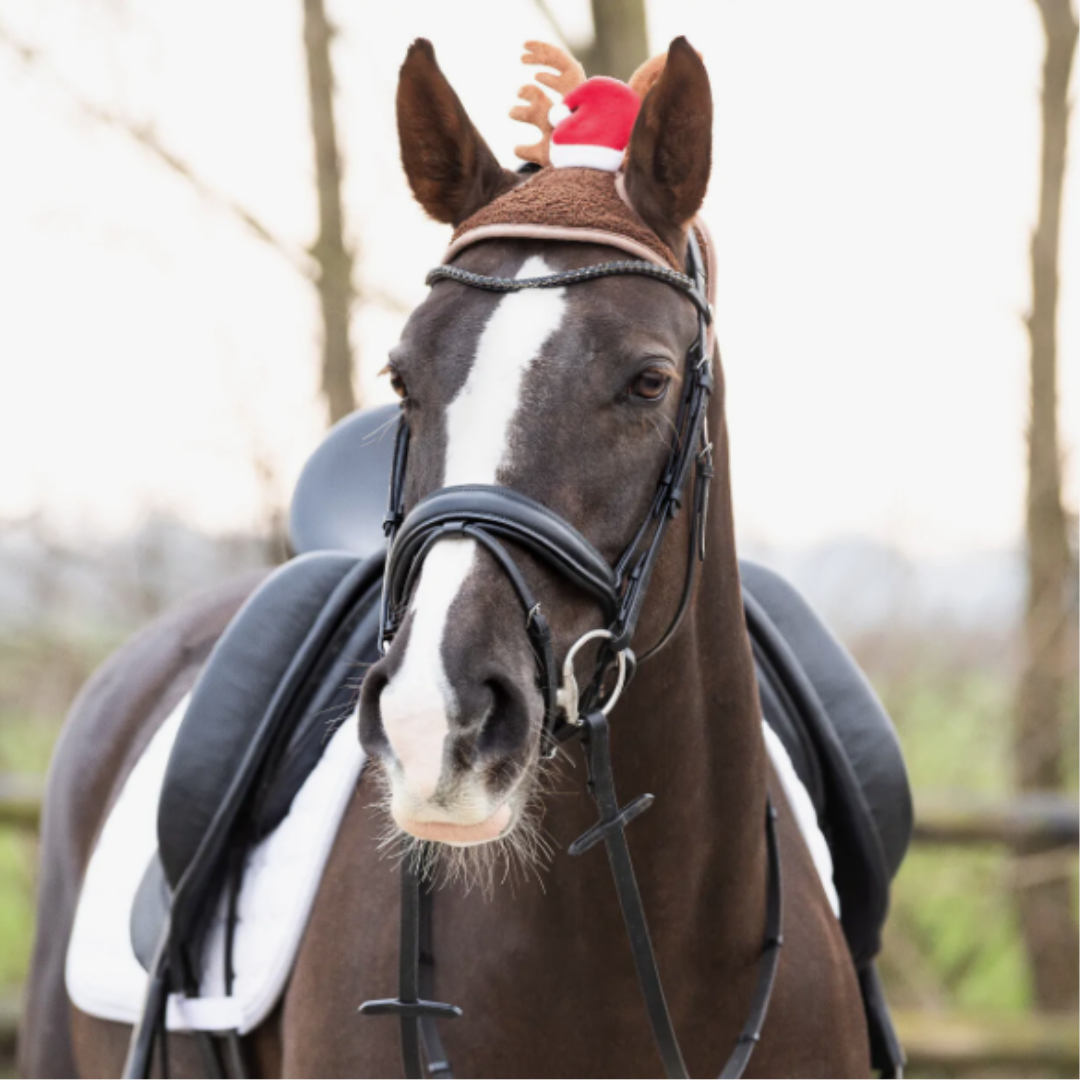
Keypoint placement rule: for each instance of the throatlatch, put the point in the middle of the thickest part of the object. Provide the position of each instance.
(490, 515)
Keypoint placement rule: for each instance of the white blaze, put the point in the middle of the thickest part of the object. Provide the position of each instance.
(418, 701)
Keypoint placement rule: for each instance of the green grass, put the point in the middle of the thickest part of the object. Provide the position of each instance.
(954, 729)
(40, 673)
(952, 939)
(16, 907)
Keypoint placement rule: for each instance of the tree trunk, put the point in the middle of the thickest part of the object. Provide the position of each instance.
(620, 39)
(335, 260)
(1045, 907)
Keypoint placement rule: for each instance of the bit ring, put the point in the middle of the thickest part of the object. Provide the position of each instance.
(569, 694)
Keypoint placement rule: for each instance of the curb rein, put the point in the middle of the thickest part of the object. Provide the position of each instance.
(489, 514)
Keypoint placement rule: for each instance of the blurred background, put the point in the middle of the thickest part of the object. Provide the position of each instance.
(207, 247)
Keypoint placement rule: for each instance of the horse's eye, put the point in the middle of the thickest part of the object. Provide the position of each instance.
(650, 385)
(397, 383)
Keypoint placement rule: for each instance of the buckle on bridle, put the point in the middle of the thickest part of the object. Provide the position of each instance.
(569, 695)
(705, 461)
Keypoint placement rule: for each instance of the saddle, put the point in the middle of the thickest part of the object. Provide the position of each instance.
(256, 724)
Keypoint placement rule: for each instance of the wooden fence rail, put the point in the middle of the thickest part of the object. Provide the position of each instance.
(1049, 819)
(20, 800)
(9, 1030)
(944, 1041)
(952, 1041)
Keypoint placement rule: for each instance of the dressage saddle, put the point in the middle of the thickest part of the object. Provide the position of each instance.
(256, 724)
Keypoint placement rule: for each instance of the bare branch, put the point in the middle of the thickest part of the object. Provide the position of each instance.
(549, 15)
(620, 38)
(1045, 907)
(334, 281)
(147, 138)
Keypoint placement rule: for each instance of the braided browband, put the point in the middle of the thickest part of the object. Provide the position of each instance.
(572, 277)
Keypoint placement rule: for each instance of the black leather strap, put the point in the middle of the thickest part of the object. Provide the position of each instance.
(150, 1026)
(611, 828)
(536, 625)
(770, 956)
(886, 1053)
(409, 1007)
(409, 962)
(507, 514)
(692, 445)
(438, 1061)
(395, 511)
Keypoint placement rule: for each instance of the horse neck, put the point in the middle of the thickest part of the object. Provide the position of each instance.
(691, 731)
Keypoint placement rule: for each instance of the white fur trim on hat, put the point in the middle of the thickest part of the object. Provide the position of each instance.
(558, 113)
(579, 156)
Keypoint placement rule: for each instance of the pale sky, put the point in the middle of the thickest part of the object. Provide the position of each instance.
(874, 189)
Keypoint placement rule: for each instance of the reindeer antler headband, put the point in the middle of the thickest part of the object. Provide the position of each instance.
(538, 105)
(602, 111)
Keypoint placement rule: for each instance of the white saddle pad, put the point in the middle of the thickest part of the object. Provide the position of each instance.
(282, 875)
(104, 979)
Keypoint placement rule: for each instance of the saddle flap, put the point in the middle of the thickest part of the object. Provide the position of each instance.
(150, 913)
(842, 743)
(242, 712)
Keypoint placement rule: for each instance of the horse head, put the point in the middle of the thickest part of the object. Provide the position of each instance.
(567, 396)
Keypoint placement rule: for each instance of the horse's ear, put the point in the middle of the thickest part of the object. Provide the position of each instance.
(451, 170)
(670, 155)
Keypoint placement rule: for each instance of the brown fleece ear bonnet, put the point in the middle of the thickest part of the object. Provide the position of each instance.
(583, 200)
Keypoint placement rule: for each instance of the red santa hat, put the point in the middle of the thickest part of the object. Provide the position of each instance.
(596, 132)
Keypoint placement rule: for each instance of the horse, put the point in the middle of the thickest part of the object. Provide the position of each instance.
(568, 396)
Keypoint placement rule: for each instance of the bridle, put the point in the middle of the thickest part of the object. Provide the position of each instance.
(491, 515)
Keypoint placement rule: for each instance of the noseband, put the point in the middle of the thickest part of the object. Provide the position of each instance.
(491, 515)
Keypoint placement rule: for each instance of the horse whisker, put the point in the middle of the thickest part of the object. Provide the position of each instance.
(523, 853)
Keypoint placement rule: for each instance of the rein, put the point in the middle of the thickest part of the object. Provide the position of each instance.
(490, 515)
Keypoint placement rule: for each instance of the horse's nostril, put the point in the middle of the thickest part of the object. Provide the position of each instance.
(506, 728)
(372, 733)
